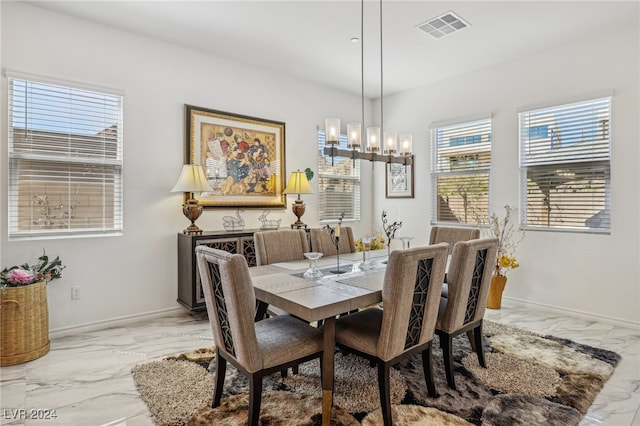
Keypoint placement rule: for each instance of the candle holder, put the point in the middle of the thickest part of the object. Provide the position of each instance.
(366, 248)
(334, 233)
(335, 239)
(406, 242)
(313, 273)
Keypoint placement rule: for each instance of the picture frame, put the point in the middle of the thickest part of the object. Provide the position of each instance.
(243, 158)
(398, 180)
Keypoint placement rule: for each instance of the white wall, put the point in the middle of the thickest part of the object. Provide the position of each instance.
(137, 273)
(594, 274)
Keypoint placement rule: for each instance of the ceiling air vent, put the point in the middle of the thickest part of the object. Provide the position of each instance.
(443, 25)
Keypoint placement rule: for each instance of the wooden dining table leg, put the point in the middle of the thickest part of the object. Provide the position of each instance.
(261, 310)
(329, 335)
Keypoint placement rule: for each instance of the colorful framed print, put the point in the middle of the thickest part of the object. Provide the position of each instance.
(399, 181)
(243, 158)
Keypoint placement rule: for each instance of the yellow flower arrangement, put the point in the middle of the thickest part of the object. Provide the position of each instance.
(508, 262)
(508, 241)
(377, 243)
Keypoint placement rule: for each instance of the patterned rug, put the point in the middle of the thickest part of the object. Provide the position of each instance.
(529, 380)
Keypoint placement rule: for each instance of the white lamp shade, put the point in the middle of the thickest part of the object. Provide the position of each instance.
(192, 179)
(373, 138)
(332, 130)
(298, 184)
(390, 142)
(354, 135)
(406, 143)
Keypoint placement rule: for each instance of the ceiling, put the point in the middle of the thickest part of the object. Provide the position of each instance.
(311, 40)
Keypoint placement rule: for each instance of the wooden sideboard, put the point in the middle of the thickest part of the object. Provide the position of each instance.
(190, 293)
(189, 289)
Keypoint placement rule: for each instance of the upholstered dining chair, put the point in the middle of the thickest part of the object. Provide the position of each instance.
(321, 241)
(284, 245)
(469, 276)
(451, 235)
(256, 349)
(410, 296)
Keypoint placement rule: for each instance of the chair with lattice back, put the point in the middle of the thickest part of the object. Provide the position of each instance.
(469, 277)
(410, 296)
(256, 349)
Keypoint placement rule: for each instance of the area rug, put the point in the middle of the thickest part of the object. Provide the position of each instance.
(530, 379)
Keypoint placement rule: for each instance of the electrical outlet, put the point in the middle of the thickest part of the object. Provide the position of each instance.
(75, 293)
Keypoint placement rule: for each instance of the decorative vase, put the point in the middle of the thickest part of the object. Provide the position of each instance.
(498, 282)
(24, 323)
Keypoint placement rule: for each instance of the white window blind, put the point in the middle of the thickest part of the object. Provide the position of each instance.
(65, 160)
(338, 185)
(460, 169)
(565, 166)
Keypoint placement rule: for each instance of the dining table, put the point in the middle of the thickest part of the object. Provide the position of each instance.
(348, 283)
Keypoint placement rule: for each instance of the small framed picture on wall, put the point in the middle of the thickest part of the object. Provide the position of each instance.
(399, 181)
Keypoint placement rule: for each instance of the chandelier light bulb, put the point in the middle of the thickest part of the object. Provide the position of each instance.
(332, 130)
(390, 142)
(373, 139)
(354, 135)
(406, 144)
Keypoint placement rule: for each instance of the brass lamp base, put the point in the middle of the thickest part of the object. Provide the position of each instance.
(192, 211)
(298, 208)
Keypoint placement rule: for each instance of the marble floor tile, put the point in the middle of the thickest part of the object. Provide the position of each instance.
(86, 378)
(636, 419)
(613, 406)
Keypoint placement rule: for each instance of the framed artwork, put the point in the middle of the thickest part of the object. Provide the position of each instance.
(242, 158)
(399, 181)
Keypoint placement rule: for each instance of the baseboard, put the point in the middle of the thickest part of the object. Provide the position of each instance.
(582, 314)
(129, 319)
(111, 322)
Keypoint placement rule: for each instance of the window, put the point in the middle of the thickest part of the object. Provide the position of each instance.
(460, 165)
(65, 160)
(464, 140)
(538, 132)
(565, 175)
(338, 185)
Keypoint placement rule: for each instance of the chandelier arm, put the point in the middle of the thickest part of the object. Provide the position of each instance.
(370, 156)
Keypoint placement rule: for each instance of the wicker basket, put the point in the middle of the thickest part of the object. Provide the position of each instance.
(24, 323)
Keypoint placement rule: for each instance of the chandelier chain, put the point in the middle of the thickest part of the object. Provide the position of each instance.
(381, 78)
(362, 57)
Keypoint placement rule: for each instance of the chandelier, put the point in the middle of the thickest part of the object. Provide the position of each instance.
(381, 145)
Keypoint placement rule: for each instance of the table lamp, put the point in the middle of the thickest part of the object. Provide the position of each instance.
(192, 180)
(298, 184)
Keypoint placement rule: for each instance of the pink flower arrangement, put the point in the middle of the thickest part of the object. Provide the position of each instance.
(19, 277)
(44, 270)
